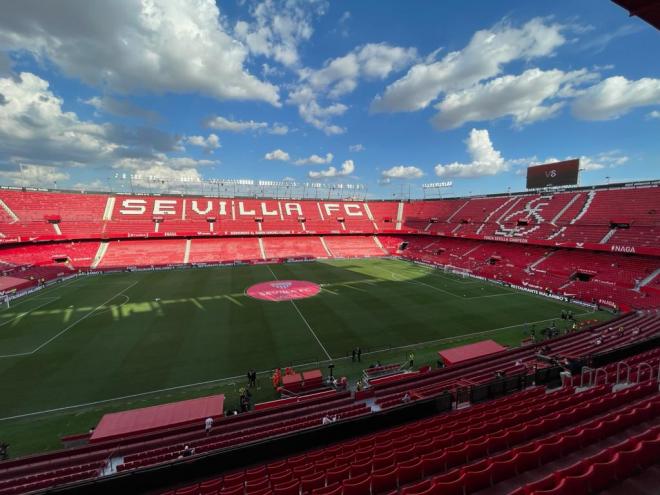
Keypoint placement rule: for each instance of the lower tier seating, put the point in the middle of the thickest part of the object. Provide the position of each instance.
(353, 246)
(614, 280)
(499, 431)
(143, 253)
(468, 451)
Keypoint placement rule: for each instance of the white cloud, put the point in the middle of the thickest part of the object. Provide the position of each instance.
(372, 61)
(402, 172)
(524, 97)
(181, 165)
(34, 127)
(210, 143)
(315, 160)
(340, 76)
(483, 58)
(94, 185)
(598, 43)
(347, 168)
(128, 45)
(34, 175)
(313, 113)
(277, 154)
(616, 96)
(655, 114)
(278, 130)
(120, 107)
(588, 164)
(224, 124)
(343, 24)
(163, 171)
(278, 27)
(486, 160)
(606, 159)
(356, 148)
(35, 130)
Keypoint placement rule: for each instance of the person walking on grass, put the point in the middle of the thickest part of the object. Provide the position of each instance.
(359, 355)
(411, 358)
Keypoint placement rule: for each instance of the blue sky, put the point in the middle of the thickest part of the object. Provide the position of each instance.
(387, 94)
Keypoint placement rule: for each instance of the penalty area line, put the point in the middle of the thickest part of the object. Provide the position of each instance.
(311, 330)
(62, 332)
(24, 313)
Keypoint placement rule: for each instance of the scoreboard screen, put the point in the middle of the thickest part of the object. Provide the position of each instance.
(553, 174)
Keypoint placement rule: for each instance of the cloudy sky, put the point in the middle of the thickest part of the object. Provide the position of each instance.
(383, 93)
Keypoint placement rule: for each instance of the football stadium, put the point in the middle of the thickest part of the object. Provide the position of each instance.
(169, 335)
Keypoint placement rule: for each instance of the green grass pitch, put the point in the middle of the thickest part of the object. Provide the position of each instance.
(117, 341)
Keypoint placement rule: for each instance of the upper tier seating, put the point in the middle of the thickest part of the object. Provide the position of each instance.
(384, 214)
(575, 216)
(618, 216)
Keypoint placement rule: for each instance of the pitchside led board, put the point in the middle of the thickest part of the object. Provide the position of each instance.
(553, 174)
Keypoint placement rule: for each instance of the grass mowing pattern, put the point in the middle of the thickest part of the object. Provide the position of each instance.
(112, 336)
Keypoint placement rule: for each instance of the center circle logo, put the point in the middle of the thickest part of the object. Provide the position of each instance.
(283, 290)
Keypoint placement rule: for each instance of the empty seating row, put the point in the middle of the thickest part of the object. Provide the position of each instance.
(461, 452)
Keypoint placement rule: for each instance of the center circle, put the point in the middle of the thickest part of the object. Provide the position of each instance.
(283, 290)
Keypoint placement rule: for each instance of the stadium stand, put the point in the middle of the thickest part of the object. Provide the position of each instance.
(517, 429)
(595, 277)
(478, 448)
(615, 230)
(24, 266)
(142, 253)
(224, 249)
(596, 245)
(353, 246)
(294, 247)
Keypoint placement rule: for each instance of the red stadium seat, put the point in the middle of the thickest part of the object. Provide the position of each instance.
(311, 482)
(410, 471)
(478, 476)
(289, 488)
(423, 487)
(334, 475)
(234, 490)
(454, 487)
(361, 485)
(333, 489)
(384, 479)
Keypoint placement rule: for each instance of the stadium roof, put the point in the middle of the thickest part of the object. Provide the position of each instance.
(648, 10)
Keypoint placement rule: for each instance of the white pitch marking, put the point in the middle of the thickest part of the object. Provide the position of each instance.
(268, 372)
(304, 319)
(61, 332)
(29, 310)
